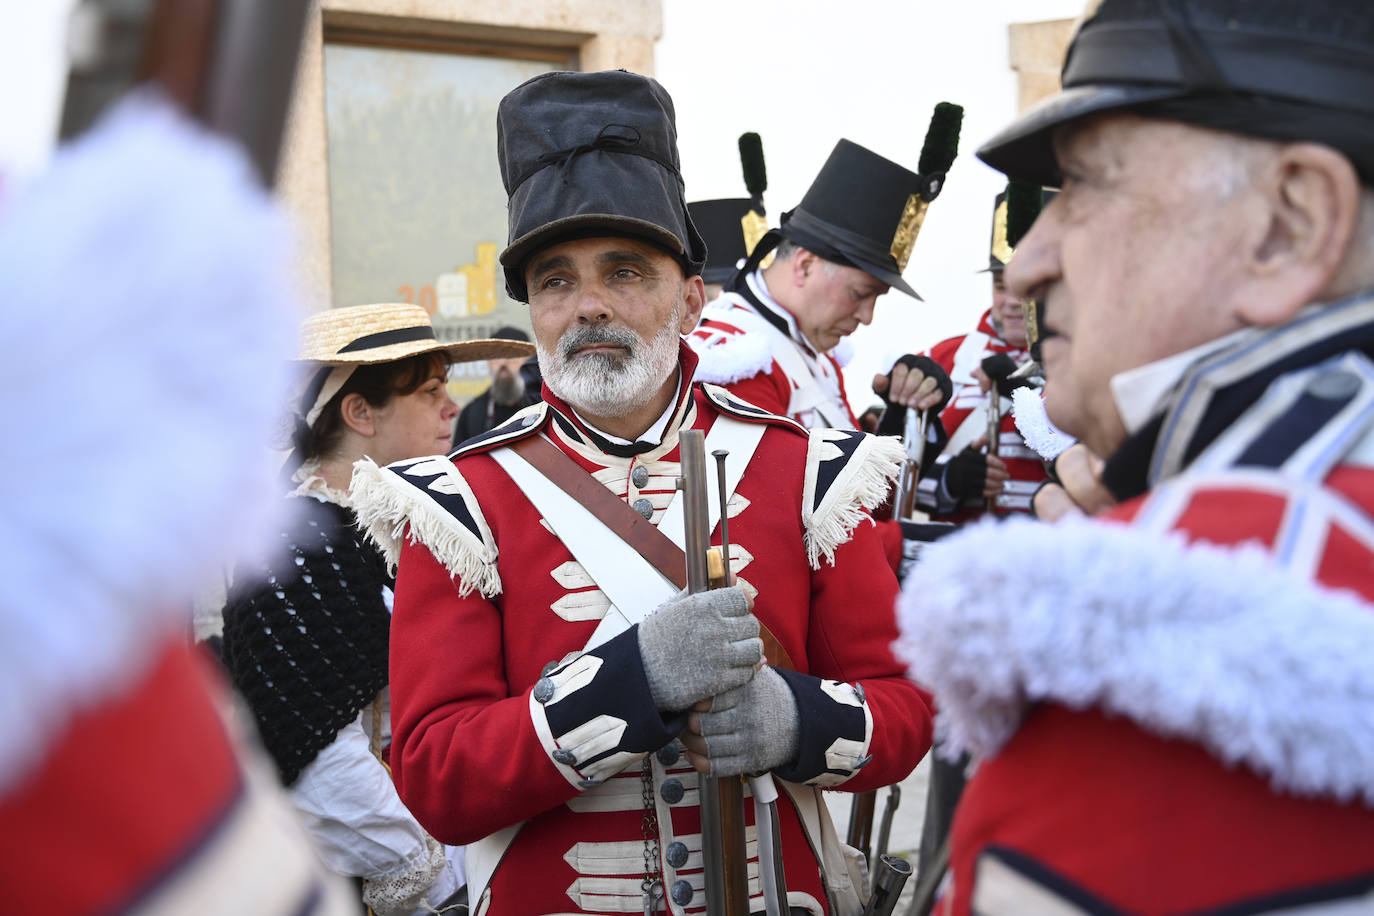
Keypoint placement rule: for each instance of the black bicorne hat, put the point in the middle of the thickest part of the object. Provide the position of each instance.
(584, 154)
(1288, 70)
(861, 211)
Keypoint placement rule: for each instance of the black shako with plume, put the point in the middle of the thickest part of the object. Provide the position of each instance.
(864, 210)
(732, 226)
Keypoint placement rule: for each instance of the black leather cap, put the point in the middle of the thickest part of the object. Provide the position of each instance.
(584, 154)
(1279, 69)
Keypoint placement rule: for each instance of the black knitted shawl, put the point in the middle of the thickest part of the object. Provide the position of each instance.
(306, 638)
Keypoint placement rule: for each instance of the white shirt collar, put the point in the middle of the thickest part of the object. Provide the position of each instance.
(1140, 393)
(759, 286)
(654, 434)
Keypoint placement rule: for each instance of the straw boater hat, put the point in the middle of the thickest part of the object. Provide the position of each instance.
(342, 339)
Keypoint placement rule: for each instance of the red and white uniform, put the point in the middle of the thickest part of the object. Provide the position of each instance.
(751, 346)
(491, 605)
(1170, 704)
(118, 816)
(959, 356)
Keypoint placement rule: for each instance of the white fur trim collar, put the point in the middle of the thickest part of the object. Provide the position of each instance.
(725, 358)
(1215, 645)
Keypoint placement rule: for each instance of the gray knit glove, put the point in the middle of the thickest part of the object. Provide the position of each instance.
(752, 728)
(696, 646)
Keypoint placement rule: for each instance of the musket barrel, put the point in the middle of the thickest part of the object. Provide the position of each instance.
(888, 880)
(723, 851)
(695, 515)
(914, 440)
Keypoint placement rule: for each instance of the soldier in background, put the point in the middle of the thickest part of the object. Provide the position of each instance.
(776, 337)
(514, 386)
(969, 477)
(1170, 701)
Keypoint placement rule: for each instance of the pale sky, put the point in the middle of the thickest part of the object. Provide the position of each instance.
(806, 73)
(801, 74)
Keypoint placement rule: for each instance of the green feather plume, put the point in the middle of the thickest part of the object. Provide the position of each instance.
(751, 160)
(942, 139)
(1023, 206)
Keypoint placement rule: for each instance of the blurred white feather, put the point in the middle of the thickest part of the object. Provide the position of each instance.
(145, 332)
(1028, 409)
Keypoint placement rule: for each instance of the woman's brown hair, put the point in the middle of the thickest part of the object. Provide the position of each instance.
(377, 384)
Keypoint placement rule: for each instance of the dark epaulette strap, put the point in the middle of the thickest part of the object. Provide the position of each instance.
(523, 424)
(728, 404)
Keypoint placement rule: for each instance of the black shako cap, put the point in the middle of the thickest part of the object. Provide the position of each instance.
(721, 223)
(585, 154)
(854, 211)
(1287, 70)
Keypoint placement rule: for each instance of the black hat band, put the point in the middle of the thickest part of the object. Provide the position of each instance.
(387, 338)
(835, 243)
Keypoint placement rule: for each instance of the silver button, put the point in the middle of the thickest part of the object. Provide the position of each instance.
(640, 476)
(644, 507)
(672, 791)
(677, 854)
(1334, 385)
(668, 754)
(681, 893)
(565, 756)
(543, 690)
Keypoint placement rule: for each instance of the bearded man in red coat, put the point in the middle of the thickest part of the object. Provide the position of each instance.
(555, 699)
(1169, 703)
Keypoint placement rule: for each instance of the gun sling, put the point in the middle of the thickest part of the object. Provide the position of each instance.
(627, 524)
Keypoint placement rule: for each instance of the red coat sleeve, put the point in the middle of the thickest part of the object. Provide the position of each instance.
(453, 722)
(853, 627)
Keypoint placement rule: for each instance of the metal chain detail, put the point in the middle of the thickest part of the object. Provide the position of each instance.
(652, 884)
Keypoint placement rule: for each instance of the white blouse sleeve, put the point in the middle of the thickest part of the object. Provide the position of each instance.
(360, 827)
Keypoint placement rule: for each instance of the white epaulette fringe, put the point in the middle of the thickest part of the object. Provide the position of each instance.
(863, 484)
(386, 505)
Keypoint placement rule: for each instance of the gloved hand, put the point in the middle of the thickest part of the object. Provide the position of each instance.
(748, 730)
(915, 381)
(697, 646)
(965, 474)
(972, 474)
(998, 369)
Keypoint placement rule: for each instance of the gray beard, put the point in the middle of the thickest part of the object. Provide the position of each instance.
(507, 390)
(606, 385)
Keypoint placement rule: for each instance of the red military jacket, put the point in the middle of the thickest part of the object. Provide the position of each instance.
(1170, 706)
(959, 356)
(501, 722)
